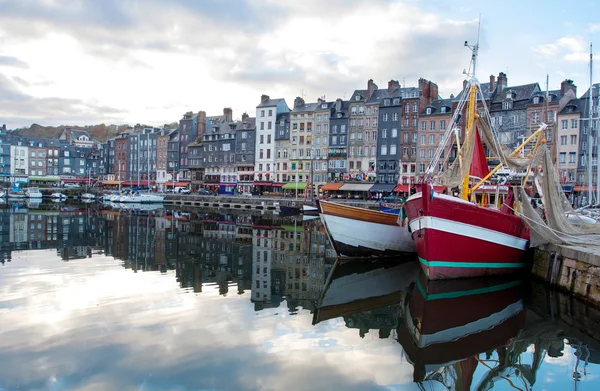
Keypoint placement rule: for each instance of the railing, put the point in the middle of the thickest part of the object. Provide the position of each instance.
(338, 154)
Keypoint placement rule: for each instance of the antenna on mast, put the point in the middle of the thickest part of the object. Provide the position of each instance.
(474, 49)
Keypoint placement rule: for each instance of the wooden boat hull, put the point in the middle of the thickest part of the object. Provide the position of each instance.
(457, 239)
(359, 232)
(455, 320)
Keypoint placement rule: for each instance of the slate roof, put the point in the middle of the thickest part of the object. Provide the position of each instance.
(596, 87)
(437, 105)
(522, 92)
(306, 107)
(362, 93)
(574, 106)
(270, 103)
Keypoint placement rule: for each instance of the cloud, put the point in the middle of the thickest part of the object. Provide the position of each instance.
(569, 49)
(12, 62)
(594, 27)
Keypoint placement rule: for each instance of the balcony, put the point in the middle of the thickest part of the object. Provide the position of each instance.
(341, 155)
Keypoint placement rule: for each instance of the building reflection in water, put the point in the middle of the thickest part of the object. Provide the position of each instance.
(272, 257)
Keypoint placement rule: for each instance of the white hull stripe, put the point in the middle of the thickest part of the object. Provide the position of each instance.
(468, 230)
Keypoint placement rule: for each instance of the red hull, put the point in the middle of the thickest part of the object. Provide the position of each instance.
(457, 239)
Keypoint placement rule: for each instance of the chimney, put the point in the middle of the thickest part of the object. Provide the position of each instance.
(502, 81)
(567, 85)
(371, 87)
(393, 85)
(264, 98)
(492, 82)
(245, 116)
(298, 101)
(319, 101)
(227, 114)
(338, 104)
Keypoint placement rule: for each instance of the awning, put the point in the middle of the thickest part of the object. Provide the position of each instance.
(294, 186)
(44, 178)
(356, 187)
(135, 183)
(228, 184)
(278, 184)
(293, 228)
(178, 184)
(262, 183)
(382, 187)
(111, 182)
(567, 188)
(77, 180)
(401, 189)
(331, 186)
(583, 188)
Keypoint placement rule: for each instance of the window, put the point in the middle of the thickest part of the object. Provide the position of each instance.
(428, 111)
(393, 149)
(572, 157)
(394, 133)
(535, 118)
(395, 117)
(268, 139)
(443, 109)
(432, 125)
(564, 124)
(406, 123)
(385, 116)
(536, 100)
(414, 122)
(384, 149)
(563, 140)
(262, 113)
(415, 108)
(405, 137)
(423, 125)
(573, 124)
(423, 139)
(262, 126)
(262, 138)
(443, 124)
(562, 158)
(386, 102)
(431, 154)
(506, 105)
(269, 125)
(422, 153)
(407, 109)
(384, 133)
(573, 139)
(270, 112)
(431, 139)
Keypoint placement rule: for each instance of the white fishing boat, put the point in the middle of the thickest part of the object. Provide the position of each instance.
(310, 210)
(58, 196)
(33, 192)
(88, 196)
(359, 232)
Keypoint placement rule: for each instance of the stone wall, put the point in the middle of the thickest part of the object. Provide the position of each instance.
(573, 269)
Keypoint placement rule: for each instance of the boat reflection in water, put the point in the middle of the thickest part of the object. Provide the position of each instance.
(356, 287)
(446, 325)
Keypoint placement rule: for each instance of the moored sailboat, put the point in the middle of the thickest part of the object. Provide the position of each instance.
(455, 236)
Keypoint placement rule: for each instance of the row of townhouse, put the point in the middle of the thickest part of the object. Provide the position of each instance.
(73, 157)
(387, 136)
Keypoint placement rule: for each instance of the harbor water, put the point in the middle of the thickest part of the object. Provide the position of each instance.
(101, 297)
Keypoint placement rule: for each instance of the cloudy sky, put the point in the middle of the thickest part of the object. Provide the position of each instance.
(132, 61)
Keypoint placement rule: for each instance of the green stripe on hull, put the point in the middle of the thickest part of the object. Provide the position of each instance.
(472, 265)
(453, 295)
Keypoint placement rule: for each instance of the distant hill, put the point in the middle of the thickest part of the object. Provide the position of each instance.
(99, 133)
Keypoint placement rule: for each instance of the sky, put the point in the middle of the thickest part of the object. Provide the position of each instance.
(85, 62)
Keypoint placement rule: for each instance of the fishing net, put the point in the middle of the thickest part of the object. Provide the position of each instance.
(559, 223)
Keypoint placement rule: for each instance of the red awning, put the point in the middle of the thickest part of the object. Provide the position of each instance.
(278, 184)
(228, 184)
(262, 183)
(178, 184)
(401, 189)
(582, 188)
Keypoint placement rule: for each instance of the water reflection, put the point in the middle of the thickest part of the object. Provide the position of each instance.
(196, 299)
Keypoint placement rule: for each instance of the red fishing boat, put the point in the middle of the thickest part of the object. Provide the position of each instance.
(457, 236)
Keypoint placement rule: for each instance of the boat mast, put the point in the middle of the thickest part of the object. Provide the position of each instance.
(589, 138)
(464, 191)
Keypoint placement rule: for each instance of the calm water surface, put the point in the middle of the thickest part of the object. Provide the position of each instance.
(101, 298)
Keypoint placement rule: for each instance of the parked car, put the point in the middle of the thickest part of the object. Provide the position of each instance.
(182, 190)
(71, 185)
(203, 191)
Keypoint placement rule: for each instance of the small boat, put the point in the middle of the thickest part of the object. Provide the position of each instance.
(389, 207)
(310, 210)
(88, 196)
(359, 232)
(450, 323)
(353, 287)
(58, 196)
(33, 192)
